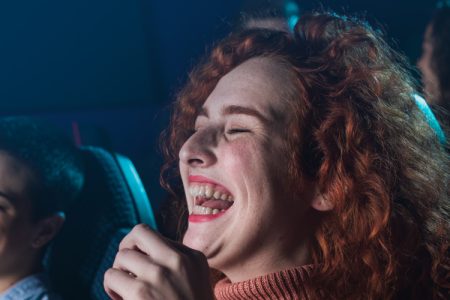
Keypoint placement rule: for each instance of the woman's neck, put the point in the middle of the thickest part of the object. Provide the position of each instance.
(269, 262)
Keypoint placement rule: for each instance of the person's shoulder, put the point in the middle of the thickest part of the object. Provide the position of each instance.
(45, 295)
(33, 287)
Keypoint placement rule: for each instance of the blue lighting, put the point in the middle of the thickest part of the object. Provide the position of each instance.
(429, 116)
(292, 20)
(292, 13)
(291, 7)
(443, 4)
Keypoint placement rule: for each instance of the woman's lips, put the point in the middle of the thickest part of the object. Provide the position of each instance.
(201, 179)
(205, 218)
(208, 198)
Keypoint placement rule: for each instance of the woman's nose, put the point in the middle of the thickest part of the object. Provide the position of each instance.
(198, 150)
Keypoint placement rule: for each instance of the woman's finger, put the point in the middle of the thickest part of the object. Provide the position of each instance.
(115, 282)
(121, 285)
(131, 261)
(140, 265)
(160, 250)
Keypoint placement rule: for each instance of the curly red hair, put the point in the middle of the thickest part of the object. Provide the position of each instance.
(359, 135)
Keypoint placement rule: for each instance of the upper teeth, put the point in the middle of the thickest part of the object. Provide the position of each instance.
(208, 191)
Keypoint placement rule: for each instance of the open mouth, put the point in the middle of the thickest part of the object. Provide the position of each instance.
(210, 199)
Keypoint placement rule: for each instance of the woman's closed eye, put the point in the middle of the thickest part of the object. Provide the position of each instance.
(237, 130)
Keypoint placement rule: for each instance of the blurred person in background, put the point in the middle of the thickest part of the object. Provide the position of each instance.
(307, 170)
(434, 63)
(41, 172)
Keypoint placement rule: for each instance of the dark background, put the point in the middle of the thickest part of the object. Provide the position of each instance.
(112, 67)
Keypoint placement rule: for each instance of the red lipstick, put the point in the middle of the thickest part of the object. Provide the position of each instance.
(199, 218)
(201, 179)
(204, 218)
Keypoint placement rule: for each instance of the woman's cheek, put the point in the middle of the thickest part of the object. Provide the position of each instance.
(240, 156)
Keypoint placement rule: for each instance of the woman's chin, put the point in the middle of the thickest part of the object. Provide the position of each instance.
(197, 242)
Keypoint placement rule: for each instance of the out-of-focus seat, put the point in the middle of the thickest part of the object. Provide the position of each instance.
(112, 202)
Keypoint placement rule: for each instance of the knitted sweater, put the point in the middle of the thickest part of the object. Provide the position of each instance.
(286, 284)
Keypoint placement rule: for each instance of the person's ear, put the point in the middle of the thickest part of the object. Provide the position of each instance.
(321, 203)
(47, 229)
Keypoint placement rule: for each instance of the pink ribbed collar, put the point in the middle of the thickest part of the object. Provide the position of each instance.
(286, 284)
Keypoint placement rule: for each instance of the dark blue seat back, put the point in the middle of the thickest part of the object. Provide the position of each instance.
(112, 202)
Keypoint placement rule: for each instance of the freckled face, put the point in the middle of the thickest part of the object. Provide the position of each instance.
(240, 145)
(429, 77)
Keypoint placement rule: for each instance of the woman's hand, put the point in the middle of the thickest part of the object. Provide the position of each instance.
(149, 266)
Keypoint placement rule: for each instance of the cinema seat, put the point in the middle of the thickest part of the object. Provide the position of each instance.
(112, 202)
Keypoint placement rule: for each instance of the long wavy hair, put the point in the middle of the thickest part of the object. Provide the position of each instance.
(359, 135)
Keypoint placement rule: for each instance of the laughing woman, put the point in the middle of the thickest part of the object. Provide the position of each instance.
(308, 173)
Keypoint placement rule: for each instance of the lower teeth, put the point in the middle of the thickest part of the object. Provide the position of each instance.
(201, 210)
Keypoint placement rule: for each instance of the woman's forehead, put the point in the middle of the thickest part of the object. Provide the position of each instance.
(260, 71)
(262, 83)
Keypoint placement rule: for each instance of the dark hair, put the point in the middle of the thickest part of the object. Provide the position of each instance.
(359, 134)
(51, 157)
(440, 56)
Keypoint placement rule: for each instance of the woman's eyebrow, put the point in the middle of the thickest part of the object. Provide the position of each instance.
(236, 110)
(242, 110)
